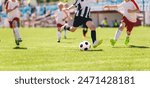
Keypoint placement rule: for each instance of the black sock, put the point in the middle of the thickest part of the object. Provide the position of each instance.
(85, 32)
(93, 35)
(67, 28)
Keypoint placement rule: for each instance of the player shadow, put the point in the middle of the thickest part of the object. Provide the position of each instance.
(135, 46)
(22, 48)
(93, 50)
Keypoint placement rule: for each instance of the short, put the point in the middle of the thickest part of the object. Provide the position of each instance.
(59, 25)
(15, 19)
(84, 26)
(128, 24)
(78, 21)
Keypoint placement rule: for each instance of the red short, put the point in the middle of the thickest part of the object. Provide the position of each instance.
(128, 24)
(59, 25)
(15, 19)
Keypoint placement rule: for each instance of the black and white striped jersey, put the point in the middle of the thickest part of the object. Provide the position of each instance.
(83, 8)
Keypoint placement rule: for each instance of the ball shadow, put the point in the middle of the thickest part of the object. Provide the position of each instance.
(94, 50)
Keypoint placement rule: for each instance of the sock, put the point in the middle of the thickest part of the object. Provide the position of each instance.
(65, 33)
(67, 28)
(117, 35)
(59, 35)
(93, 35)
(16, 33)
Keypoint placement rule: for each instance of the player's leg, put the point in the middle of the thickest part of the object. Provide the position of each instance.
(65, 34)
(77, 22)
(91, 25)
(65, 31)
(59, 32)
(58, 35)
(118, 33)
(85, 30)
(15, 26)
(129, 29)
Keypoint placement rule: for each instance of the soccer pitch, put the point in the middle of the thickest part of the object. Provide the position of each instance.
(41, 52)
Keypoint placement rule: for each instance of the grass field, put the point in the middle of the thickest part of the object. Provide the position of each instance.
(43, 53)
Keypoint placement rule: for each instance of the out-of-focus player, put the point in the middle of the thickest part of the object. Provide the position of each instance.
(60, 17)
(12, 9)
(67, 19)
(130, 9)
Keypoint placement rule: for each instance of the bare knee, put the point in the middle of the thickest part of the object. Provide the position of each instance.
(93, 27)
(121, 27)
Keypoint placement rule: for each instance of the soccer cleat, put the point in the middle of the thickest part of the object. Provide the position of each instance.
(97, 43)
(17, 42)
(65, 37)
(58, 41)
(127, 41)
(113, 42)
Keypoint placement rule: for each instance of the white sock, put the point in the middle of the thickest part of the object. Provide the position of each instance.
(117, 35)
(59, 35)
(17, 34)
(65, 33)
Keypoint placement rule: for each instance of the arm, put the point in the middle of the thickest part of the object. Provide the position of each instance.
(66, 15)
(109, 7)
(71, 7)
(133, 11)
(9, 10)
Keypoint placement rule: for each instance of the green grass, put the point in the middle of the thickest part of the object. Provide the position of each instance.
(43, 53)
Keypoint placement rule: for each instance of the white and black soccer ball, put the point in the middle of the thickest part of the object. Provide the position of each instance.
(84, 46)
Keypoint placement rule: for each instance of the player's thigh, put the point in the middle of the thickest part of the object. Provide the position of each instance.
(59, 29)
(129, 28)
(90, 25)
(15, 22)
(122, 25)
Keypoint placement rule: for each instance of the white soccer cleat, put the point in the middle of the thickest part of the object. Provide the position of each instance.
(97, 43)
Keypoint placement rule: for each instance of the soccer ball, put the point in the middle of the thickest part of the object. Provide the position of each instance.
(84, 46)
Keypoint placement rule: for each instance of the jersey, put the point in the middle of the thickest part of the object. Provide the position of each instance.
(60, 15)
(125, 7)
(83, 8)
(15, 13)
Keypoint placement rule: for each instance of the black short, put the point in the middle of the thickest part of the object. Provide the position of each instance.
(78, 21)
(84, 26)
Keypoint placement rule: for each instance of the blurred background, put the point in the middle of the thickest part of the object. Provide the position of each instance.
(33, 13)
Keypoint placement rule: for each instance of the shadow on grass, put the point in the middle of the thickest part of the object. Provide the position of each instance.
(134, 46)
(22, 48)
(142, 47)
(93, 50)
